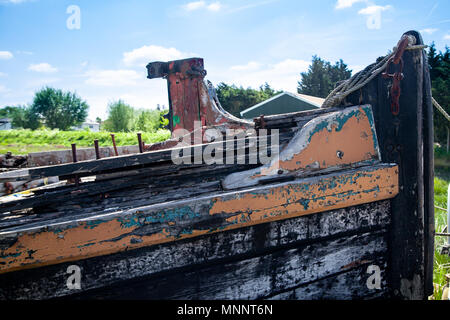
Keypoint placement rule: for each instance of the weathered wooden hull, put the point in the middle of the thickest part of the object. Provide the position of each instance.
(344, 211)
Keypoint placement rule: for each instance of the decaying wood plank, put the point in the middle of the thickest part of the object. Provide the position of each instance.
(402, 140)
(263, 276)
(101, 234)
(348, 285)
(332, 140)
(130, 162)
(217, 248)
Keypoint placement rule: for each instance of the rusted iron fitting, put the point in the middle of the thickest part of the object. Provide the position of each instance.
(259, 122)
(114, 144)
(398, 75)
(140, 142)
(97, 149)
(74, 152)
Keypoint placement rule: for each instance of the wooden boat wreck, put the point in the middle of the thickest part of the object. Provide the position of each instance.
(339, 207)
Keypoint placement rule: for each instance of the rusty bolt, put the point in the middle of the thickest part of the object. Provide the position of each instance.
(74, 152)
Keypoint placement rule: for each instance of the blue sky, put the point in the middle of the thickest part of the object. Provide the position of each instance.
(102, 52)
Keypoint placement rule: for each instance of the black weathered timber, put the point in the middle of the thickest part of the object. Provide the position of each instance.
(306, 235)
(428, 175)
(263, 276)
(405, 140)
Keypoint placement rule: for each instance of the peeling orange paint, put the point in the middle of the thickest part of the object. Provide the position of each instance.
(102, 237)
(352, 141)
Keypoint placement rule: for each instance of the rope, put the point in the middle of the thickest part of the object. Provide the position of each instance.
(363, 77)
(441, 110)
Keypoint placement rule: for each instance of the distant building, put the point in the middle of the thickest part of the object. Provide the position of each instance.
(283, 103)
(92, 125)
(5, 124)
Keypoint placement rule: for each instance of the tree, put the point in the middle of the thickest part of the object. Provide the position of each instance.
(321, 77)
(120, 117)
(21, 116)
(439, 65)
(58, 109)
(148, 121)
(235, 99)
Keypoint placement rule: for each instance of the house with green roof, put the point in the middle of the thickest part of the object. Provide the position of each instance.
(284, 102)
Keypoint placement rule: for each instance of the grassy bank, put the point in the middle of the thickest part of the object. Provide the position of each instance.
(25, 141)
(441, 183)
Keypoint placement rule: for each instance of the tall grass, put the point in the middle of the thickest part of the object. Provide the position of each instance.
(441, 183)
(81, 138)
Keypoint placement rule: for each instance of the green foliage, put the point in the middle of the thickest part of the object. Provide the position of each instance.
(59, 110)
(441, 183)
(322, 76)
(21, 116)
(83, 138)
(124, 118)
(148, 121)
(235, 99)
(439, 65)
(120, 117)
(163, 122)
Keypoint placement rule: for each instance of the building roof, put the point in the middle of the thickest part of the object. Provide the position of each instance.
(313, 102)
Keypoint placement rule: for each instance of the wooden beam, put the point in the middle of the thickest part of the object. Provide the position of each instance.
(334, 140)
(155, 263)
(101, 234)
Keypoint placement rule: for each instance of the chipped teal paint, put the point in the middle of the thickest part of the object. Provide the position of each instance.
(173, 215)
(85, 245)
(304, 203)
(90, 224)
(12, 255)
(129, 222)
(186, 231)
(369, 114)
(244, 218)
(341, 120)
(57, 231)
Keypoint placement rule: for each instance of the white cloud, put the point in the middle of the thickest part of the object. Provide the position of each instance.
(216, 6)
(13, 1)
(2, 74)
(145, 54)
(191, 6)
(447, 37)
(4, 55)
(252, 65)
(196, 5)
(341, 4)
(42, 67)
(356, 68)
(283, 75)
(370, 10)
(113, 78)
(429, 30)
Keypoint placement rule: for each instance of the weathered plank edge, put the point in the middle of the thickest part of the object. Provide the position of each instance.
(190, 254)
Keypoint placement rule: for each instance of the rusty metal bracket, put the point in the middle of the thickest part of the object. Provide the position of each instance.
(395, 89)
(396, 76)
